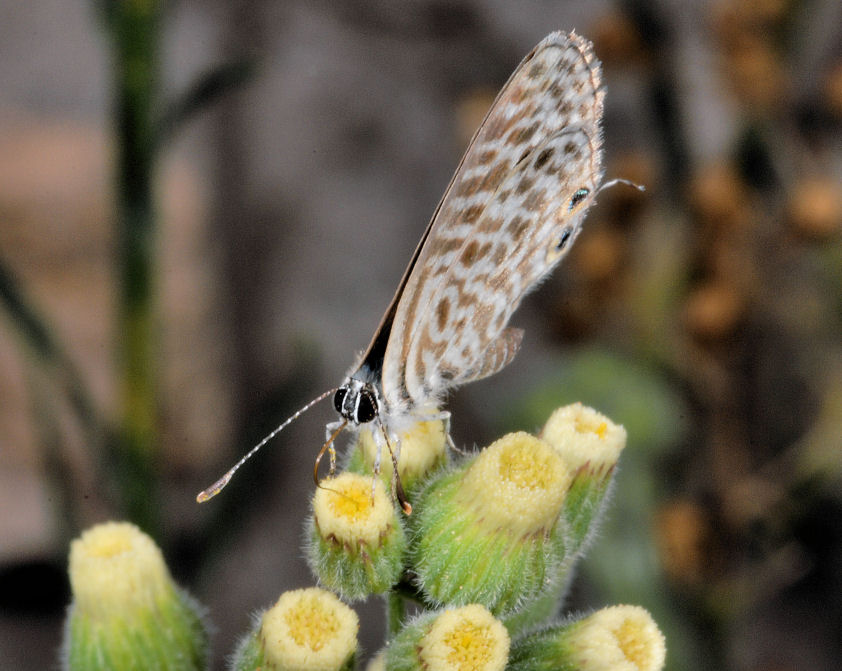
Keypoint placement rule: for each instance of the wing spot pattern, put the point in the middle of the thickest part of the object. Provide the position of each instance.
(520, 135)
(472, 213)
(442, 313)
(487, 156)
(524, 186)
(537, 70)
(543, 157)
(517, 227)
(470, 254)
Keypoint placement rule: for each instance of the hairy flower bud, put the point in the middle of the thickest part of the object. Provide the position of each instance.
(620, 638)
(306, 630)
(590, 444)
(460, 638)
(356, 541)
(487, 532)
(127, 613)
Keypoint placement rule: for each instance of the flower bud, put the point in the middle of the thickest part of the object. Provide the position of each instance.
(590, 444)
(356, 541)
(127, 612)
(423, 448)
(487, 532)
(620, 638)
(460, 638)
(306, 630)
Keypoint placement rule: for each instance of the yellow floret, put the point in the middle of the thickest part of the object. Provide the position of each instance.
(309, 630)
(620, 638)
(518, 483)
(465, 639)
(114, 568)
(582, 435)
(345, 509)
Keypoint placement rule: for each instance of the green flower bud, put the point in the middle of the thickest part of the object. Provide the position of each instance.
(307, 630)
(620, 638)
(458, 639)
(423, 448)
(356, 540)
(487, 532)
(590, 444)
(127, 613)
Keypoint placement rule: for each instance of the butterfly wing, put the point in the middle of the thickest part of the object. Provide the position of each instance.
(521, 189)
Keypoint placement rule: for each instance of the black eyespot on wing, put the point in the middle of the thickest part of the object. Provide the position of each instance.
(366, 410)
(578, 197)
(339, 399)
(565, 237)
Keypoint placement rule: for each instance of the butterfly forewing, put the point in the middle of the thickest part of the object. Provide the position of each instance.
(509, 213)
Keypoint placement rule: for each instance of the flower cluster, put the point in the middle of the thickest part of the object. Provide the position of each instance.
(485, 560)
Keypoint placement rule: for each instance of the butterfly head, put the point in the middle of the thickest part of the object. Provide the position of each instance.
(357, 401)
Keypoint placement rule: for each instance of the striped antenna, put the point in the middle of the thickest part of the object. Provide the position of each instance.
(217, 486)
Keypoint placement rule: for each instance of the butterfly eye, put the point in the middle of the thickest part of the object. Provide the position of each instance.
(578, 197)
(339, 399)
(565, 237)
(366, 410)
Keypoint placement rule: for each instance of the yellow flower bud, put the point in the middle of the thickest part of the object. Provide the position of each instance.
(308, 630)
(357, 542)
(458, 639)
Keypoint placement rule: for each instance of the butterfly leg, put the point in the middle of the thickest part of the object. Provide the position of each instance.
(378, 444)
(331, 427)
(378, 451)
(381, 437)
(332, 430)
(446, 419)
(397, 487)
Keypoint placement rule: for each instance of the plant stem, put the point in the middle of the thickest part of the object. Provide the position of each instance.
(395, 613)
(134, 28)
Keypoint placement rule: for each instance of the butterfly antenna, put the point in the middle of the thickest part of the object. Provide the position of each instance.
(217, 486)
(406, 506)
(619, 180)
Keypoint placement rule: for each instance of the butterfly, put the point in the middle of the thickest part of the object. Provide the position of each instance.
(511, 212)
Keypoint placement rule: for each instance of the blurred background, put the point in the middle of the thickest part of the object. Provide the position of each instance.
(206, 206)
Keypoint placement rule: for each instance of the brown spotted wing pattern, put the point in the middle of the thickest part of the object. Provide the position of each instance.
(511, 211)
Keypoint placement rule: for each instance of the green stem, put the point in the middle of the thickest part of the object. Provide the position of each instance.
(134, 26)
(395, 613)
(37, 335)
(38, 339)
